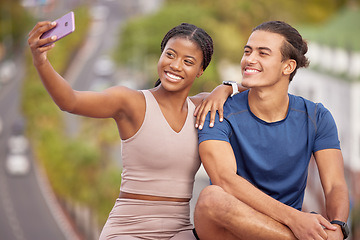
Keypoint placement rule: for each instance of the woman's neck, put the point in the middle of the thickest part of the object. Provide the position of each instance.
(167, 99)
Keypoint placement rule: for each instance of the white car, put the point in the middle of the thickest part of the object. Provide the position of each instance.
(17, 161)
(104, 66)
(17, 164)
(18, 144)
(7, 71)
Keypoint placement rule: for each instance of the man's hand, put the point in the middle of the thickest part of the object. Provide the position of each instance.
(335, 235)
(311, 226)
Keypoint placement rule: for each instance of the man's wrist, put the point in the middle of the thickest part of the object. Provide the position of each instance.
(343, 227)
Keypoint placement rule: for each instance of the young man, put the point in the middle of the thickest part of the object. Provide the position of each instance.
(258, 158)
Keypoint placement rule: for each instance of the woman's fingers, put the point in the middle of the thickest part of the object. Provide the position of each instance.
(39, 46)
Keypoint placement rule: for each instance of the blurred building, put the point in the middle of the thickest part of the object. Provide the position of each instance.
(334, 80)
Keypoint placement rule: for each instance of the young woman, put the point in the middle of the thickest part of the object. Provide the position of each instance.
(159, 140)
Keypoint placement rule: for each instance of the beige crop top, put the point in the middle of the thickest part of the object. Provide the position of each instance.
(157, 160)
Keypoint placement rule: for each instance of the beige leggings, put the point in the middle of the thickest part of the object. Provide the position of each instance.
(139, 219)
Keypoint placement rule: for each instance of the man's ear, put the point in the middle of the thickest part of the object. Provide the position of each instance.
(289, 67)
(200, 73)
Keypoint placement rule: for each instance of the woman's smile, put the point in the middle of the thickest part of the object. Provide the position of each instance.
(173, 77)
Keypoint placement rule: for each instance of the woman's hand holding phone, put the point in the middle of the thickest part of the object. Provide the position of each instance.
(44, 34)
(36, 44)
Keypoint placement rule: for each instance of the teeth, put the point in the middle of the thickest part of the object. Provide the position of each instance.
(173, 76)
(251, 70)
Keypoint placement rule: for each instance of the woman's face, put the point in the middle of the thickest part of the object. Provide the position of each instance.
(179, 64)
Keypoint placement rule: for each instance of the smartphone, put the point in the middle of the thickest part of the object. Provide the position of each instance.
(64, 26)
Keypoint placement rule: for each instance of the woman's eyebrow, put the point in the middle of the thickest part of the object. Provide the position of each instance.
(188, 56)
(192, 57)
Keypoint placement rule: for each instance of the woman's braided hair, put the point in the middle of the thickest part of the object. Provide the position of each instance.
(295, 47)
(195, 34)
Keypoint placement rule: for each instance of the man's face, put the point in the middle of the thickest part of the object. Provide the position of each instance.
(262, 64)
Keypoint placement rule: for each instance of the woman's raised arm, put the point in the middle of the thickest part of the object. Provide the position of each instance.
(92, 104)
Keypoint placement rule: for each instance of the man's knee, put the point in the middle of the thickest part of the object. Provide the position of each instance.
(205, 212)
(209, 199)
(214, 202)
(214, 213)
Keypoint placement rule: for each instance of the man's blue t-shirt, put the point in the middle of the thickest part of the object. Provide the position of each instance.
(275, 156)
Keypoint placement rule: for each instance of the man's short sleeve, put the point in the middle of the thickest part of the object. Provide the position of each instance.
(220, 131)
(326, 132)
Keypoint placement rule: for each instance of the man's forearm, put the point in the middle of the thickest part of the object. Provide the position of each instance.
(255, 198)
(337, 203)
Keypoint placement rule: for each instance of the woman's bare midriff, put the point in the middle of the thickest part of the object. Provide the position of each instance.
(151, 198)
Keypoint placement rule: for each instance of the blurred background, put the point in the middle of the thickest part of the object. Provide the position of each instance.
(60, 174)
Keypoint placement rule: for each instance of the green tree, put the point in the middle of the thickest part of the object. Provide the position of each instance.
(14, 25)
(229, 22)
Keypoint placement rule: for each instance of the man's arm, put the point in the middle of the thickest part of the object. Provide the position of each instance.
(219, 162)
(331, 170)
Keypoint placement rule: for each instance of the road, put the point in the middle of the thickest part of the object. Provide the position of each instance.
(24, 212)
(27, 205)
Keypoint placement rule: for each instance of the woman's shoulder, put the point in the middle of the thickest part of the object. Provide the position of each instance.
(125, 99)
(125, 93)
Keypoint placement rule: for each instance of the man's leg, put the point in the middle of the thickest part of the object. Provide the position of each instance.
(219, 215)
